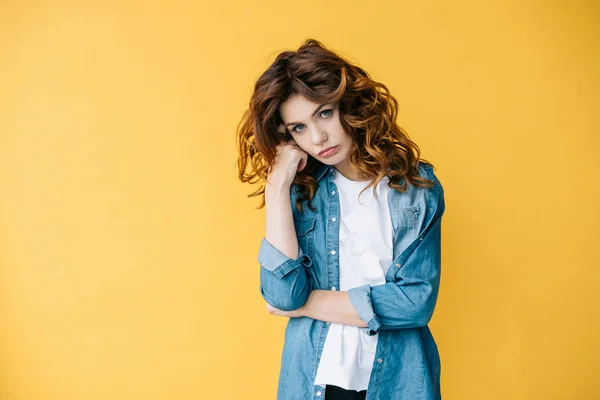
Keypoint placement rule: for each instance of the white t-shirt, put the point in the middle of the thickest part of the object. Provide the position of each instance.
(365, 252)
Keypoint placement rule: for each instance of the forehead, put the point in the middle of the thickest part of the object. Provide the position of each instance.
(296, 108)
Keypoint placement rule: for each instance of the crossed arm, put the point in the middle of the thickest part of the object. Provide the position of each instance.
(409, 301)
(325, 305)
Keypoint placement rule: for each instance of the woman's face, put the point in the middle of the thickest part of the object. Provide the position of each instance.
(316, 128)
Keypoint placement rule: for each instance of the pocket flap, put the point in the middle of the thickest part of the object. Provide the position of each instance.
(305, 226)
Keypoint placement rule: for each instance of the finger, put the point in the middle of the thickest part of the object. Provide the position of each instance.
(303, 162)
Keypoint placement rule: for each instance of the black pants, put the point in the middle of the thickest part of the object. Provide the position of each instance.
(338, 393)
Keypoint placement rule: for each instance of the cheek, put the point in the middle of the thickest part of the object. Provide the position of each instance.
(302, 142)
(336, 126)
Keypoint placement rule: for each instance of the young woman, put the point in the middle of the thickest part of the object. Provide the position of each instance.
(351, 252)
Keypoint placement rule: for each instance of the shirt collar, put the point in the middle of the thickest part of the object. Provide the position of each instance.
(321, 170)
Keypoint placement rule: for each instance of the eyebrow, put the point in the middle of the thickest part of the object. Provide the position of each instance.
(313, 114)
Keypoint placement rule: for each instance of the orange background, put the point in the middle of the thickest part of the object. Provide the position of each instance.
(128, 247)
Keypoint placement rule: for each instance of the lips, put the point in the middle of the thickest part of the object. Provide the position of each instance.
(324, 150)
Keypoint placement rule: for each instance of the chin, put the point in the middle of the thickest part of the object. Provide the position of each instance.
(330, 161)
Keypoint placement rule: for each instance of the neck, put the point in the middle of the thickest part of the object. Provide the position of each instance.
(351, 174)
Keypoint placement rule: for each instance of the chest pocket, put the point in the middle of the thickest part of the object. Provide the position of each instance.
(305, 231)
(409, 222)
(410, 218)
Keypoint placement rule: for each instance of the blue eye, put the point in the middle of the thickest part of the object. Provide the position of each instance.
(294, 129)
(329, 112)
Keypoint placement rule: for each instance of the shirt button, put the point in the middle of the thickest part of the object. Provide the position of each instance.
(318, 393)
(332, 252)
(332, 192)
(333, 288)
(379, 360)
(397, 265)
(333, 219)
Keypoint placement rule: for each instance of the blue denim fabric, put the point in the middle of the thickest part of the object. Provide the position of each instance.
(407, 362)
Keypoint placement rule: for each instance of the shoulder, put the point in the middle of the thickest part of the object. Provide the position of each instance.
(427, 171)
(433, 196)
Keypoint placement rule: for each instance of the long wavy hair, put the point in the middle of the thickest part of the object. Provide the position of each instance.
(367, 112)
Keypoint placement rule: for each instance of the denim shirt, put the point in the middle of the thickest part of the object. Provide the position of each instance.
(407, 362)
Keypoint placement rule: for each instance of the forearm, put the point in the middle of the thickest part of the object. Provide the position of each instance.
(279, 229)
(284, 281)
(331, 306)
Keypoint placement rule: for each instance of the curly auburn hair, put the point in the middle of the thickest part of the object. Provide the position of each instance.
(367, 112)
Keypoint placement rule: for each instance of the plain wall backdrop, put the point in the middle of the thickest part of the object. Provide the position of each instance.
(128, 246)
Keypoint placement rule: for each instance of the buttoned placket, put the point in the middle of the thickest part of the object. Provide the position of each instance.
(333, 218)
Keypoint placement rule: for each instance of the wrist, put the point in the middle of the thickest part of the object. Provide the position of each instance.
(276, 189)
(305, 310)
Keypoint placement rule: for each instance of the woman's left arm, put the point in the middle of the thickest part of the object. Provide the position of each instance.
(407, 303)
(325, 305)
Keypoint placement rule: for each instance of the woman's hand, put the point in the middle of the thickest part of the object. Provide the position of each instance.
(289, 159)
(291, 314)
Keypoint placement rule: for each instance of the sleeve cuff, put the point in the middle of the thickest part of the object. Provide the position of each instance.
(278, 263)
(360, 297)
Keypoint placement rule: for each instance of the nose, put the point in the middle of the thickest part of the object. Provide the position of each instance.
(318, 136)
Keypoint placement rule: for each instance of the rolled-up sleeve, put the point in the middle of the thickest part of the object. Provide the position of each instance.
(285, 283)
(278, 263)
(360, 297)
(410, 301)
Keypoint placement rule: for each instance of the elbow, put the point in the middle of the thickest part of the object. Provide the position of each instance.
(422, 317)
(286, 301)
(287, 294)
(414, 314)
(414, 318)
(423, 312)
